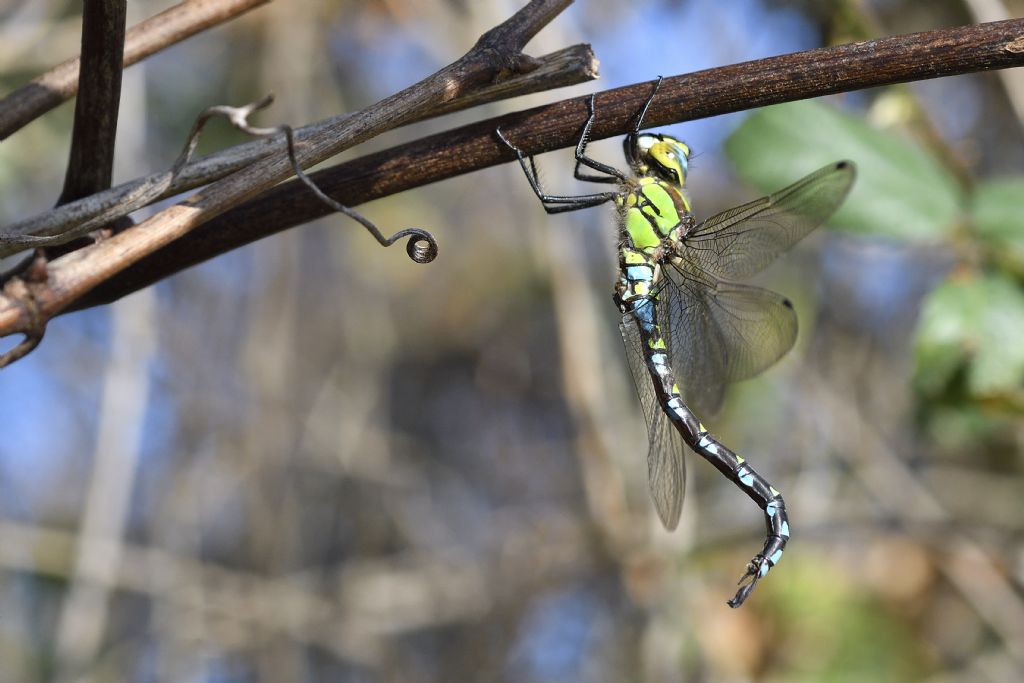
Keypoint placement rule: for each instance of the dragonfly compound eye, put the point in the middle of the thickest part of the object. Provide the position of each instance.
(671, 158)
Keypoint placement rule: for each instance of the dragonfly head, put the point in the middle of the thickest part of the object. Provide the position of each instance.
(662, 155)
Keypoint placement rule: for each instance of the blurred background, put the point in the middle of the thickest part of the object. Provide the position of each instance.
(312, 459)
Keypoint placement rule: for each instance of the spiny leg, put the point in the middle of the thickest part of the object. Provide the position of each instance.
(647, 105)
(760, 491)
(530, 171)
(612, 174)
(561, 202)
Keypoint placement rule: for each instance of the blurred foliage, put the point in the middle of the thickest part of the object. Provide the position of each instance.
(841, 635)
(967, 328)
(971, 324)
(900, 192)
(966, 341)
(999, 223)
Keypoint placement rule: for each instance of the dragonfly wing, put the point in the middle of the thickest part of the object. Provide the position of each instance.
(721, 332)
(742, 241)
(666, 464)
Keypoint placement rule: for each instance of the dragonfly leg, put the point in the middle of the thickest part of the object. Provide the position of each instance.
(764, 494)
(611, 174)
(554, 203)
(647, 105)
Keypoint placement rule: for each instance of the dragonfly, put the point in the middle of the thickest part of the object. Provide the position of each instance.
(689, 325)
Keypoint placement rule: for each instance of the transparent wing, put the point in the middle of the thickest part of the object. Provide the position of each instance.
(742, 241)
(720, 332)
(666, 462)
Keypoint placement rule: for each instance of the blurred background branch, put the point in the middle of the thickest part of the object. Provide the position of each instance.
(171, 26)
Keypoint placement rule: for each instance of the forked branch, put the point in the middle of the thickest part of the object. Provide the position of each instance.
(496, 56)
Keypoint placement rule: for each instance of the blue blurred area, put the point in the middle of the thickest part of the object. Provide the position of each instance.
(558, 636)
(42, 407)
(668, 38)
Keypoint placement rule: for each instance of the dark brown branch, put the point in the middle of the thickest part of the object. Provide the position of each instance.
(682, 98)
(91, 161)
(31, 101)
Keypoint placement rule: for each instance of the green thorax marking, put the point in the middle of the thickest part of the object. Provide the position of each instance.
(652, 212)
(631, 257)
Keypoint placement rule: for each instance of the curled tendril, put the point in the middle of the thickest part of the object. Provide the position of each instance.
(422, 246)
(415, 248)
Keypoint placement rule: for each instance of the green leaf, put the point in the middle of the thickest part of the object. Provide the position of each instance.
(900, 192)
(975, 325)
(845, 635)
(999, 221)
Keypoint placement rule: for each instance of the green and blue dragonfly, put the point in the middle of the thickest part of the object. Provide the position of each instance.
(688, 326)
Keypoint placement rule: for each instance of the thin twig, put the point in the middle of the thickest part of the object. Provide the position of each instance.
(569, 66)
(681, 98)
(238, 117)
(186, 19)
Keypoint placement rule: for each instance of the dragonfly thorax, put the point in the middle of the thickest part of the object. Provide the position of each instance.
(657, 154)
(655, 216)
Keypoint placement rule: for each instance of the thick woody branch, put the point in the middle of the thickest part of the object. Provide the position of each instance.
(681, 98)
(152, 35)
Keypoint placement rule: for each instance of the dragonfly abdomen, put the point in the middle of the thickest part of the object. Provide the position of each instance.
(768, 498)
